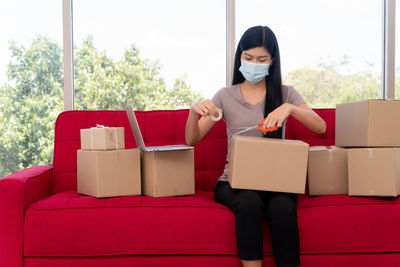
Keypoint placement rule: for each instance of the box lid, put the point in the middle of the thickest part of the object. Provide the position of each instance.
(269, 140)
(325, 148)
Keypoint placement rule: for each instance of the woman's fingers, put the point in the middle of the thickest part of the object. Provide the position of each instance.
(212, 108)
(277, 117)
(207, 108)
(271, 121)
(202, 111)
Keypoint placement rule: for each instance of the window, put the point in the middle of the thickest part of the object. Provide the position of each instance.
(331, 51)
(152, 54)
(31, 80)
(397, 53)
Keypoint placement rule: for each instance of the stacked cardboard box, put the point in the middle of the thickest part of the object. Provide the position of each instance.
(102, 138)
(371, 132)
(374, 127)
(104, 167)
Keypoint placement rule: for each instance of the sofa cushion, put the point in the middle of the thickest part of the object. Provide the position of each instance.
(70, 224)
(344, 224)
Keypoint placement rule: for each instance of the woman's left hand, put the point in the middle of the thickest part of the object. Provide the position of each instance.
(278, 115)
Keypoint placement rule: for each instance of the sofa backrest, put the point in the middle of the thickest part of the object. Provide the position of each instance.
(162, 127)
(297, 131)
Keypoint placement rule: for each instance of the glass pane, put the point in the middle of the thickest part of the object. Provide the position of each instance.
(31, 80)
(330, 50)
(397, 53)
(152, 54)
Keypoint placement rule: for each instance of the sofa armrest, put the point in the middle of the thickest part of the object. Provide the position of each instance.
(17, 191)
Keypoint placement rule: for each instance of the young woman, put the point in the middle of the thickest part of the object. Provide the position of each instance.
(257, 93)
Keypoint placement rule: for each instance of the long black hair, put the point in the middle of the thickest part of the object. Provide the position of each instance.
(255, 37)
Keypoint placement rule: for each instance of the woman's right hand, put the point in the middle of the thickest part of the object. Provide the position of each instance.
(196, 129)
(205, 108)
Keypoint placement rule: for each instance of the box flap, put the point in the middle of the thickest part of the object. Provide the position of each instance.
(269, 140)
(382, 100)
(325, 148)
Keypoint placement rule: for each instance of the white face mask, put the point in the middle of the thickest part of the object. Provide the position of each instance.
(253, 72)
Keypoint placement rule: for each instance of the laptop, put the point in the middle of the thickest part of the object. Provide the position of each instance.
(139, 139)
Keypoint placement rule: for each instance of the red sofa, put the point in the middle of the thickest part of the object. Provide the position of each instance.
(45, 222)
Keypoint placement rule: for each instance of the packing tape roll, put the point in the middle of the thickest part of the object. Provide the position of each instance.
(217, 118)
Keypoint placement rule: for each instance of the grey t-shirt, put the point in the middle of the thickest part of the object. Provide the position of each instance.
(239, 114)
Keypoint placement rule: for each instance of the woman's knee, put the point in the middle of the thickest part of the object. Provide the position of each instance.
(282, 206)
(248, 202)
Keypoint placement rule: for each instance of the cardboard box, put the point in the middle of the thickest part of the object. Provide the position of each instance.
(268, 164)
(327, 170)
(374, 171)
(109, 173)
(102, 138)
(168, 173)
(370, 123)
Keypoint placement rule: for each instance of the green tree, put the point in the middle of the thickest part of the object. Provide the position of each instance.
(33, 96)
(325, 85)
(30, 102)
(103, 83)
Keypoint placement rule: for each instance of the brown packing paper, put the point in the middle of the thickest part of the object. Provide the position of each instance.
(168, 173)
(99, 138)
(268, 164)
(327, 170)
(109, 173)
(370, 123)
(374, 171)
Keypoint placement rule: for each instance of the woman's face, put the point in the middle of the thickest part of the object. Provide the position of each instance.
(257, 55)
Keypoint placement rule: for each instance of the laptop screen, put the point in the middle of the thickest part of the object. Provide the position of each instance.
(135, 127)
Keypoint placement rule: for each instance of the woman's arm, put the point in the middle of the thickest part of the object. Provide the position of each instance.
(302, 113)
(196, 129)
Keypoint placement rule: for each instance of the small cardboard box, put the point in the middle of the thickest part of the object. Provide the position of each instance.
(268, 164)
(374, 171)
(370, 123)
(327, 170)
(109, 173)
(102, 138)
(168, 173)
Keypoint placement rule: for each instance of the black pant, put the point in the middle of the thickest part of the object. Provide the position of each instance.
(249, 207)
